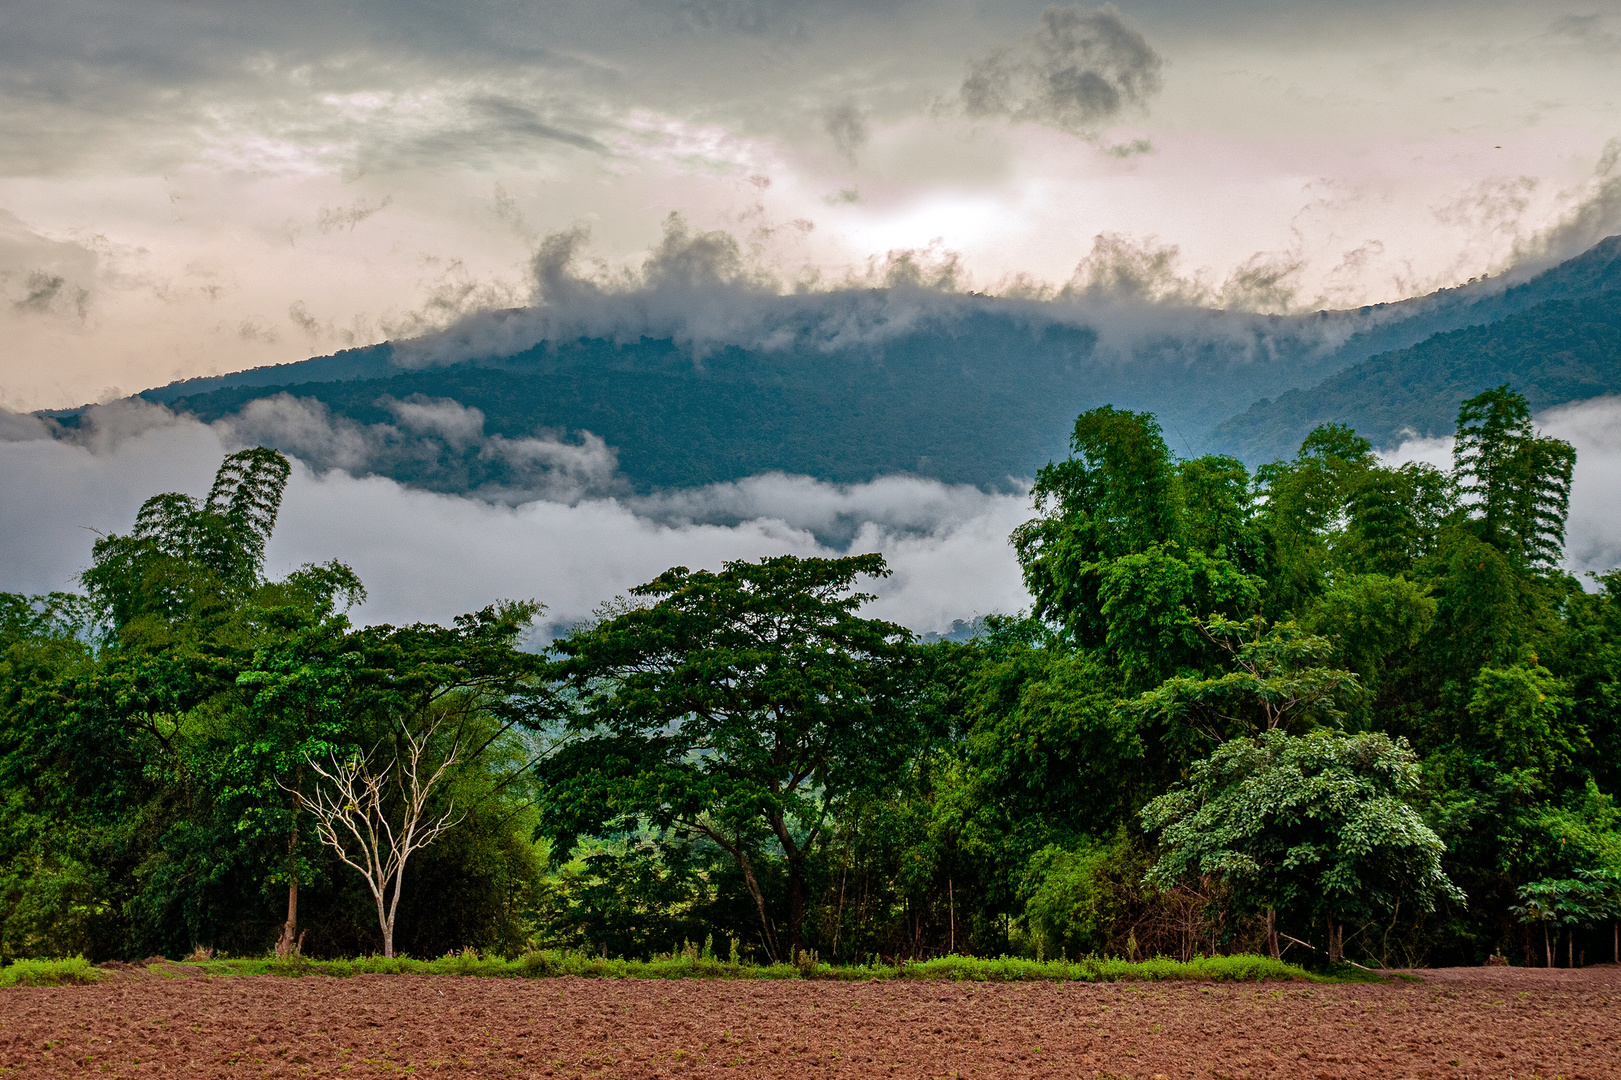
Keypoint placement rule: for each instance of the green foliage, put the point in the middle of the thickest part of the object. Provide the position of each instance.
(1197, 744)
(185, 555)
(690, 963)
(742, 707)
(74, 971)
(1519, 483)
(1114, 496)
(1375, 622)
(146, 761)
(1520, 718)
(1067, 911)
(1279, 682)
(1310, 825)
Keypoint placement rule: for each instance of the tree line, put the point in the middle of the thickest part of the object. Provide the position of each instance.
(1334, 709)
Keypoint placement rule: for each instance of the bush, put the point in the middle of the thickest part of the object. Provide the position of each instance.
(75, 971)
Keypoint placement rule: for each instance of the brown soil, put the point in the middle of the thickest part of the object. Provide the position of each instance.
(1482, 1022)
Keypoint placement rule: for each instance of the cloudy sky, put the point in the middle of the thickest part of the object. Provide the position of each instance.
(201, 186)
(190, 187)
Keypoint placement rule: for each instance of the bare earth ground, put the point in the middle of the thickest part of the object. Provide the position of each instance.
(1481, 1022)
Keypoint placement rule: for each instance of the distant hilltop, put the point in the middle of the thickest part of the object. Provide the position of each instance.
(961, 388)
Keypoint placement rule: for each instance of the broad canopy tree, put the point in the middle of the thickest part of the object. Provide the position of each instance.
(1312, 827)
(743, 706)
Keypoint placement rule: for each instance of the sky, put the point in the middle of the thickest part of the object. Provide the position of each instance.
(190, 187)
(196, 187)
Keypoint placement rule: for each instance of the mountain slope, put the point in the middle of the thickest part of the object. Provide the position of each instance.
(966, 389)
(988, 396)
(1556, 352)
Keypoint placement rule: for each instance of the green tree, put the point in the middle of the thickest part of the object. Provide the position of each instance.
(1305, 511)
(1312, 826)
(184, 555)
(418, 704)
(1216, 501)
(1115, 495)
(1376, 623)
(1561, 903)
(296, 691)
(1279, 681)
(1517, 483)
(1394, 517)
(1151, 602)
(744, 706)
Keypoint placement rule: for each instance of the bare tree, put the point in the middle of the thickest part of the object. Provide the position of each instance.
(353, 816)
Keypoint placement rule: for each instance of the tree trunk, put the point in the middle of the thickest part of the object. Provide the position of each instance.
(951, 898)
(1547, 949)
(1336, 941)
(1272, 933)
(768, 936)
(796, 906)
(385, 923)
(1615, 931)
(289, 931)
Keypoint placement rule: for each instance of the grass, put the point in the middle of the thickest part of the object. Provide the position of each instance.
(1160, 969)
(691, 965)
(72, 971)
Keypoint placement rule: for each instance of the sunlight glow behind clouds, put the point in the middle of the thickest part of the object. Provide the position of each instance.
(1382, 150)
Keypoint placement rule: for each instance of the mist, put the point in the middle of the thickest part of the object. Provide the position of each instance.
(430, 556)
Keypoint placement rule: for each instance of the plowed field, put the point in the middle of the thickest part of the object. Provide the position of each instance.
(1460, 1023)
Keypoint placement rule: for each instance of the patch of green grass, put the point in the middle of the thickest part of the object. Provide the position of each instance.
(70, 972)
(550, 963)
(1159, 969)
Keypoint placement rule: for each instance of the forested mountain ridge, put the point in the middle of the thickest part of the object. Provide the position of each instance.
(1556, 352)
(980, 391)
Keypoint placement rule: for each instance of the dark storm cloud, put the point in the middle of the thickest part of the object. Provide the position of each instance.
(1591, 31)
(479, 128)
(83, 81)
(761, 18)
(1079, 71)
(513, 120)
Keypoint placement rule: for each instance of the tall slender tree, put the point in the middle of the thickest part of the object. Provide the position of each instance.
(1516, 482)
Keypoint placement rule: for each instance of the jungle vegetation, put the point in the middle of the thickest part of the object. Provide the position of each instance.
(1329, 708)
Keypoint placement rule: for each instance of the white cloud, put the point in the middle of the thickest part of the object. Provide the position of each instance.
(429, 556)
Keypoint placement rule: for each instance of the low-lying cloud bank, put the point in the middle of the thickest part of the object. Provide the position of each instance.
(428, 556)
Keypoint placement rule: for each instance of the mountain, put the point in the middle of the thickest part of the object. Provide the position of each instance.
(981, 391)
(962, 388)
(1545, 338)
